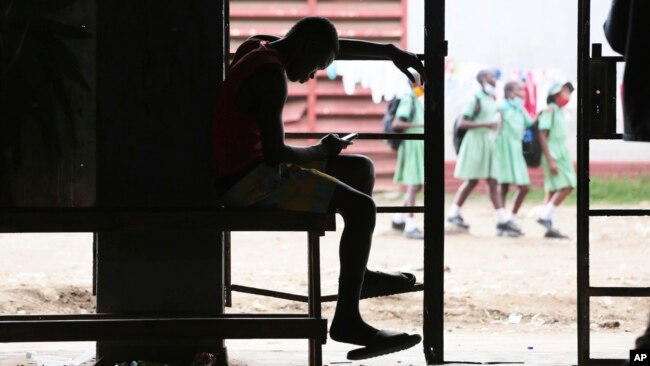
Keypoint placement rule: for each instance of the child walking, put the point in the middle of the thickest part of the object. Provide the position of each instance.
(559, 175)
(477, 158)
(512, 168)
(410, 156)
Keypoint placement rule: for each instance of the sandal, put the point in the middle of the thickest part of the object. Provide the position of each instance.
(386, 284)
(383, 343)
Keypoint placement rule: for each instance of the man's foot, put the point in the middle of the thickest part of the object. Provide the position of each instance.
(352, 330)
(398, 225)
(384, 342)
(414, 234)
(458, 222)
(377, 283)
(554, 234)
(548, 224)
(508, 229)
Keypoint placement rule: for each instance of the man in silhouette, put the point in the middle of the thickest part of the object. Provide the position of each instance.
(255, 167)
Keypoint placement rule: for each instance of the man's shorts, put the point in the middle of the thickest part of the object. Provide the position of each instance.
(284, 186)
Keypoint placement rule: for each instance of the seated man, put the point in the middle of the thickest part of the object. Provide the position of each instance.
(255, 168)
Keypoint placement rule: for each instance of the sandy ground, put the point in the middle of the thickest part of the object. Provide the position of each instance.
(497, 289)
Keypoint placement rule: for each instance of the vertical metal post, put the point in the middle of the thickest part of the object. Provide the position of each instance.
(435, 50)
(315, 345)
(584, 16)
(227, 278)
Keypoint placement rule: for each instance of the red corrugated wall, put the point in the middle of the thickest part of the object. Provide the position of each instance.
(321, 105)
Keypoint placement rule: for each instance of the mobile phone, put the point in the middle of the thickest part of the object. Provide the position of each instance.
(350, 137)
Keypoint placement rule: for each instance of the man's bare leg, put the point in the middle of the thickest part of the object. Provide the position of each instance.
(353, 201)
(358, 172)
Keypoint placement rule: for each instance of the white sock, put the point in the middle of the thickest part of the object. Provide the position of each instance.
(549, 211)
(502, 216)
(513, 217)
(410, 224)
(398, 218)
(454, 210)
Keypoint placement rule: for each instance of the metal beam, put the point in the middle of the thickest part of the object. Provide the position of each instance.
(93, 328)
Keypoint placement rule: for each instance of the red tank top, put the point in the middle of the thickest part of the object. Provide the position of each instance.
(236, 137)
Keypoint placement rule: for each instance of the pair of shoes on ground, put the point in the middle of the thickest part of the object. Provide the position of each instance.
(551, 232)
(414, 233)
(509, 229)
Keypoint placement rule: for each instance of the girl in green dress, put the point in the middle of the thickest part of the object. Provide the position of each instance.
(477, 158)
(410, 156)
(559, 175)
(511, 165)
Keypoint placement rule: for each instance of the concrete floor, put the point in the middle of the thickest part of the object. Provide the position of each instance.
(460, 348)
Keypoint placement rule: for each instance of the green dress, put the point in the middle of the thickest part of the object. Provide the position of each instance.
(511, 165)
(477, 158)
(555, 122)
(410, 155)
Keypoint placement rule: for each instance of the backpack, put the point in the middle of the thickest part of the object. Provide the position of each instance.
(389, 117)
(459, 133)
(530, 143)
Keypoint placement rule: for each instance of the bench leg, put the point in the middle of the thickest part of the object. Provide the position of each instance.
(315, 345)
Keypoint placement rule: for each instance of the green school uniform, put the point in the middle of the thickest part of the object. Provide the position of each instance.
(555, 122)
(410, 155)
(476, 158)
(511, 165)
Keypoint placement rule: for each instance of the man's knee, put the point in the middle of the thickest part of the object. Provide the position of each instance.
(358, 206)
(365, 167)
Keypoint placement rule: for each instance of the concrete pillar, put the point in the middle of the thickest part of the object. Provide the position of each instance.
(159, 64)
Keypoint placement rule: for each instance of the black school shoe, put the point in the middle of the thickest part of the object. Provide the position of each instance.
(508, 229)
(555, 234)
(548, 224)
(458, 222)
(414, 234)
(398, 225)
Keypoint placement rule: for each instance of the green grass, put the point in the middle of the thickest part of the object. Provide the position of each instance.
(622, 191)
(606, 191)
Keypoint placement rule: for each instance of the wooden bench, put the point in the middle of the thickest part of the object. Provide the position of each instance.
(105, 327)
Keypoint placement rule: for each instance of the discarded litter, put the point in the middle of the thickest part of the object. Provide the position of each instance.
(46, 360)
(515, 318)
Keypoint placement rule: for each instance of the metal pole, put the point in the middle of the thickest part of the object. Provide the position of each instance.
(584, 15)
(435, 50)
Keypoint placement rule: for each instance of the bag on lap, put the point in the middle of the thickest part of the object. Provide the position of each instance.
(459, 133)
(389, 117)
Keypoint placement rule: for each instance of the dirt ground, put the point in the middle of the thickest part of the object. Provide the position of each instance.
(493, 285)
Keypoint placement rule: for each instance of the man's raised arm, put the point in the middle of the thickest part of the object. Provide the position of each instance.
(402, 59)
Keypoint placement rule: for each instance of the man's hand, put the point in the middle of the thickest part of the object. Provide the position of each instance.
(404, 60)
(334, 144)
